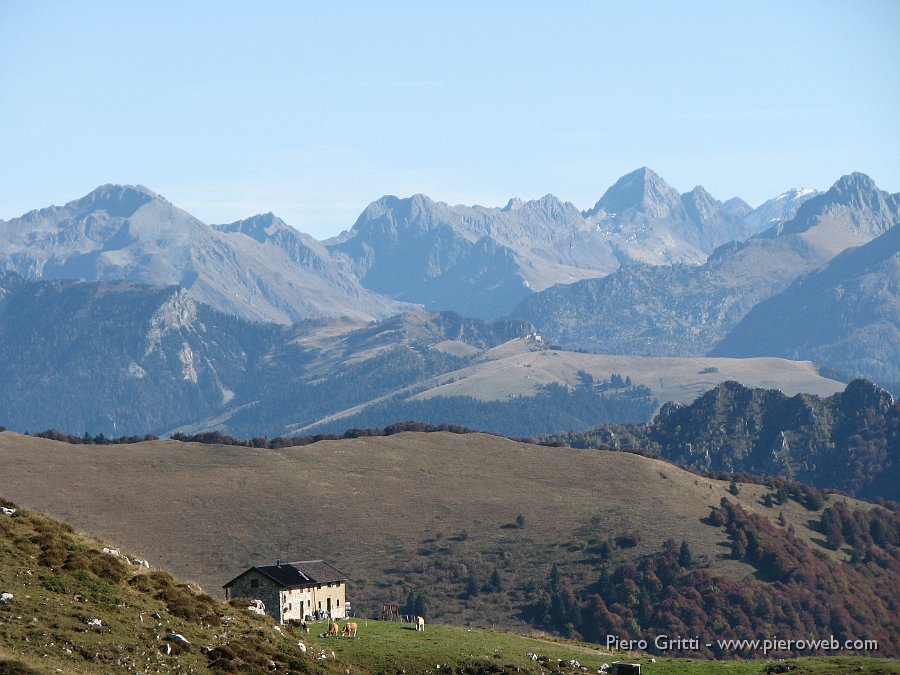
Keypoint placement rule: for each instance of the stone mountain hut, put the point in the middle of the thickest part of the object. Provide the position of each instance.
(293, 590)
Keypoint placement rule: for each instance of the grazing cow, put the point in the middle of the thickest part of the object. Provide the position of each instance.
(349, 629)
(299, 623)
(332, 628)
(420, 623)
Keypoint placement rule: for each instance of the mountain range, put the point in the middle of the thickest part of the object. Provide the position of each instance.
(685, 309)
(720, 337)
(257, 268)
(480, 261)
(120, 313)
(474, 260)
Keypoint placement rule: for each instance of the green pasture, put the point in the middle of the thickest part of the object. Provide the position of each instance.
(394, 647)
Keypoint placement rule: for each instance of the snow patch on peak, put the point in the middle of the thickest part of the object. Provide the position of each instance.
(795, 193)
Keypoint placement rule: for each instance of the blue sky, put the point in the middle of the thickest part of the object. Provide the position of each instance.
(312, 110)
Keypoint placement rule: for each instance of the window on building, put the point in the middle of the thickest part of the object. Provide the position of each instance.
(320, 604)
(254, 583)
(338, 602)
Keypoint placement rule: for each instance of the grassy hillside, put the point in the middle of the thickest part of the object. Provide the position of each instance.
(406, 512)
(77, 609)
(514, 368)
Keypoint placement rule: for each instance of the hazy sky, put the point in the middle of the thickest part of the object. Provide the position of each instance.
(312, 110)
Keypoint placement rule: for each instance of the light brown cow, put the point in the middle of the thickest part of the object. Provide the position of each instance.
(420, 623)
(349, 629)
(332, 628)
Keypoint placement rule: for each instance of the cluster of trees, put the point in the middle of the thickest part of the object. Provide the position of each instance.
(416, 603)
(88, 439)
(859, 529)
(218, 438)
(782, 488)
(797, 592)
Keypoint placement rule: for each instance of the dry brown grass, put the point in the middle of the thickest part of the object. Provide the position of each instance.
(516, 368)
(387, 510)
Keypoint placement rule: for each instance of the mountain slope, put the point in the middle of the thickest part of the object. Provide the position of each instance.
(591, 515)
(130, 233)
(123, 359)
(78, 605)
(845, 315)
(119, 358)
(686, 309)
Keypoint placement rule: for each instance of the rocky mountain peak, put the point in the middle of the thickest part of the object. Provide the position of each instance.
(701, 204)
(640, 190)
(550, 206)
(396, 209)
(856, 201)
(260, 227)
(861, 394)
(700, 193)
(779, 209)
(513, 204)
(117, 200)
(737, 207)
(855, 189)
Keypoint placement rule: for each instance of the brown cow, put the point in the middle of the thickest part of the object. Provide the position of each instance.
(420, 623)
(349, 629)
(332, 628)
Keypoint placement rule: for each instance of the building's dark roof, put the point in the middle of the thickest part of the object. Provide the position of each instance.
(300, 573)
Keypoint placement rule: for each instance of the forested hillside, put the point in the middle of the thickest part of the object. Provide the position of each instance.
(849, 441)
(553, 408)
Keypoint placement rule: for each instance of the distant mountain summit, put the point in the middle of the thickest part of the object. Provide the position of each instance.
(855, 202)
(685, 310)
(471, 259)
(258, 268)
(778, 209)
(641, 190)
(648, 221)
(737, 207)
